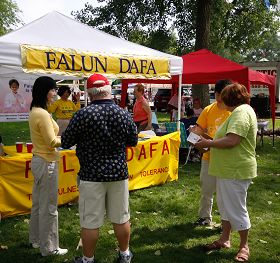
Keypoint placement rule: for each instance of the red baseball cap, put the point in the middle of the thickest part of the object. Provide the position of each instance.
(97, 81)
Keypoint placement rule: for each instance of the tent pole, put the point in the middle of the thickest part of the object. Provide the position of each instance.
(124, 93)
(273, 126)
(85, 91)
(179, 101)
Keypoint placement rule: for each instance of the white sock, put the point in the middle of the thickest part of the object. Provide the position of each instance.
(87, 260)
(125, 252)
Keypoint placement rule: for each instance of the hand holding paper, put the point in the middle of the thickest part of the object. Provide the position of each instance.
(203, 143)
(200, 142)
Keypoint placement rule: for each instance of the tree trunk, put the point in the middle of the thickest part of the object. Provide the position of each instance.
(203, 8)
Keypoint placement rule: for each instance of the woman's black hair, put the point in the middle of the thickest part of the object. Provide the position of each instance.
(221, 84)
(41, 88)
(13, 81)
(189, 112)
(62, 90)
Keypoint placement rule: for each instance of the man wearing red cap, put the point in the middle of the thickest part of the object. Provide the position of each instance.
(101, 132)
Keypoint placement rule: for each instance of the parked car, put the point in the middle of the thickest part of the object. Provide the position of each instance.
(161, 99)
(212, 97)
(116, 96)
(117, 93)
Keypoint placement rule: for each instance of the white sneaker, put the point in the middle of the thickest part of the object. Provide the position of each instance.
(35, 245)
(58, 252)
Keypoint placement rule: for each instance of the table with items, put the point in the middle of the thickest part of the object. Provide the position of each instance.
(153, 161)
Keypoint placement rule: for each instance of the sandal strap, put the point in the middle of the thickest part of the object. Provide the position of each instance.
(242, 255)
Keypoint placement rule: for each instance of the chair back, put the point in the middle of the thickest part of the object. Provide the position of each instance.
(172, 127)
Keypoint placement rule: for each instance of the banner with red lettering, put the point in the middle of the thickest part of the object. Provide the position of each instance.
(154, 161)
(16, 182)
(151, 162)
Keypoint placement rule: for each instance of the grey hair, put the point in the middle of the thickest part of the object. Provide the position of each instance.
(100, 92)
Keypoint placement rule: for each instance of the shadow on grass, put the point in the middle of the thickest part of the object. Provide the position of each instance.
(175, 243)
(182, 254)
(174, 234)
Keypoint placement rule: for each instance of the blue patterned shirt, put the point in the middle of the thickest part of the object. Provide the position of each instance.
(101, 132)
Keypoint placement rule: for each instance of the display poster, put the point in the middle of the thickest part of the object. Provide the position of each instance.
(15, 99)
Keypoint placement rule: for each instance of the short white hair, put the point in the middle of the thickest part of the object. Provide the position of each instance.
(100, 92)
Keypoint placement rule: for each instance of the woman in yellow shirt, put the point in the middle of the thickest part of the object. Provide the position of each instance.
(43, 231)
(64, 108)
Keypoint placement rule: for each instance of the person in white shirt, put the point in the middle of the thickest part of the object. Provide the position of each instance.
(197, 107)
(14, 102)
(173, 105)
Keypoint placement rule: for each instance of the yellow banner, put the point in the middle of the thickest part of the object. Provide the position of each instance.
(79, 63)
(151, 162)
(154, 161)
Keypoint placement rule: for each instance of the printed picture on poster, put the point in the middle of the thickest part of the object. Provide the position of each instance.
(15, 98)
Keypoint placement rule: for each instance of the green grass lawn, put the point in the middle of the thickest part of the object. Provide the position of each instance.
(162, 220)
(19, 131)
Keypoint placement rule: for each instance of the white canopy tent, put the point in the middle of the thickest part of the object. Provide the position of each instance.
(60, 31)
(57, 31)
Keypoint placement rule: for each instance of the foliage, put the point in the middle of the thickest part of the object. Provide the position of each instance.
(240, 26)
(123, 19)
(268, 48)
(8, 16)
(162, 221)
(237, 26)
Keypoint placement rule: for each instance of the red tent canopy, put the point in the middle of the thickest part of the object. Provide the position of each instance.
(259, 78)
(204, 67)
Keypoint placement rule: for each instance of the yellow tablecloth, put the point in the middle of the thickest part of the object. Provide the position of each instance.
(11, 151)
(151, 162)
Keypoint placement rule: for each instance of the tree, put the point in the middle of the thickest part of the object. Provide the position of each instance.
(138, 21)
(231, 29)
(235, 26)
(239, 26)
(203, 9)
(8, 16)
(267, 49)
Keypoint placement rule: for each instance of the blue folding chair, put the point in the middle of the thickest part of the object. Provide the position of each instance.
(172, 127)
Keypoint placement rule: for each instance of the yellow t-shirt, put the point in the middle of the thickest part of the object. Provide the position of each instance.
(210, 119)
(64, 109)
(43, 132)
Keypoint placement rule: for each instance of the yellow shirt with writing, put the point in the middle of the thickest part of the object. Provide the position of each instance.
(43, 132)
(210, 119)
(64, 109)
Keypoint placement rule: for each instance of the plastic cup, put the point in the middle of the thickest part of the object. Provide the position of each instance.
(19, 146)
(29, 147)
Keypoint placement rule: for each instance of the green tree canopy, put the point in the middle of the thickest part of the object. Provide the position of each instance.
(8, 16)
(236, 27)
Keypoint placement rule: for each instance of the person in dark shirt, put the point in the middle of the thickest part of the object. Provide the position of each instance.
(190, 120)
(101, 133)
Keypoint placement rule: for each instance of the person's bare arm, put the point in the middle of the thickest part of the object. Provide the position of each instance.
(147, 108)
(229, 141)
(197, 129)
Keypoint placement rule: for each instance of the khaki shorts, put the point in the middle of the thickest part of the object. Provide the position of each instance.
(98, 197)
